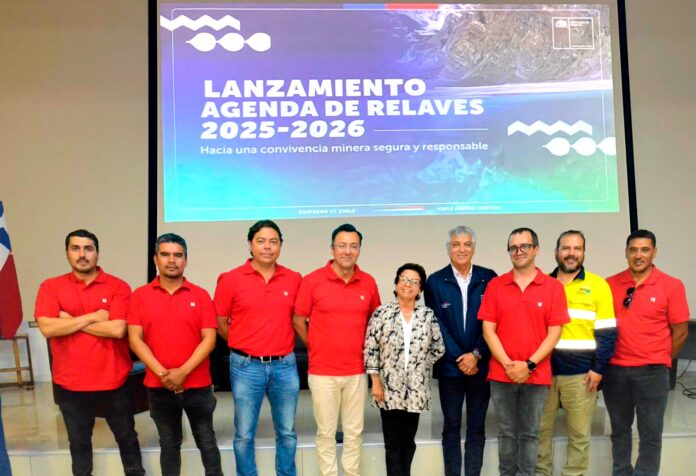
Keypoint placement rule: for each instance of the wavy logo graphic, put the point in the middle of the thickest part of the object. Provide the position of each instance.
(195, 25)
(560, 146)
(540, 126)
(206, 42)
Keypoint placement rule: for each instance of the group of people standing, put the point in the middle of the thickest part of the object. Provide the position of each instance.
(528, 341)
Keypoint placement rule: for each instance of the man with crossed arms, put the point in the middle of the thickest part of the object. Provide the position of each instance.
(84, 314)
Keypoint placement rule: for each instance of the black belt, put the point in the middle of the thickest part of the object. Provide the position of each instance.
(264, 358)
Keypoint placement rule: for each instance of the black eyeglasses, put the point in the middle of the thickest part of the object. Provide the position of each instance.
(629, 297)
(524, 248)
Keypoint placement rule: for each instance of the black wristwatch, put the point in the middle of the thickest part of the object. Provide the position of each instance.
(531, 366)
(476, 354)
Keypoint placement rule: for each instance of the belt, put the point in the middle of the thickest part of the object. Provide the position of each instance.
(263, 358)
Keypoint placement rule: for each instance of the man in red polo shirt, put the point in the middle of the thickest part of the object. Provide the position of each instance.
(172, 328)
(651, 319)
(84, 315)
(522, 313)
(254, 304)
(337, 300)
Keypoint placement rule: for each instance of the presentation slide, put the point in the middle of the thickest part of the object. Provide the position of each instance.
(289, 111)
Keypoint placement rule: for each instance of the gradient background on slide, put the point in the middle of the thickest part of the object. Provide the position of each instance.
(520, 77)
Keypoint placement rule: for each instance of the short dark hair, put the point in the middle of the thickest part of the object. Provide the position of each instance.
(256, 227)
(347, 228)
(412, 267)
(81, 233)
(171, 238)
(570, 232)
(641, 233)
(517, 231)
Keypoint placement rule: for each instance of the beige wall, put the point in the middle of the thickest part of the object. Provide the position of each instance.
(661, 49)
(73, 136)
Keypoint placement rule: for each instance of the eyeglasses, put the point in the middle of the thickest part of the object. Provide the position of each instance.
(629, 297)
(412, 282)
(524, 248)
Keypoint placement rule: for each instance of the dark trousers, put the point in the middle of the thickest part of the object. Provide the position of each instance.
(166, 409)
(399, 428)
(641, 391)
(477, 391)
(78, 409)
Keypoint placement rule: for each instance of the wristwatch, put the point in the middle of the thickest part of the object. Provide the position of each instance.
(477, 354)
(531, 366)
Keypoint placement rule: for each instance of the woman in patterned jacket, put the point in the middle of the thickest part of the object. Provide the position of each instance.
(402, 343)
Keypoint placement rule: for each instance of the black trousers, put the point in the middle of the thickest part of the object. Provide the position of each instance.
(399, 428)
(78, 409)
(166, 409)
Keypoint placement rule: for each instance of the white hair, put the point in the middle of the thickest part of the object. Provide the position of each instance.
(461, 230)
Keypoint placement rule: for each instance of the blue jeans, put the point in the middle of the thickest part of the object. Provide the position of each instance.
(78, 409)
(643, 391)
(477, 391)
(252, 379)
(5, 469)
(519, 408)
(166, 408)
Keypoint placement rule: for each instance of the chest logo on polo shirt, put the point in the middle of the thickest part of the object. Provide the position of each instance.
(104, 300)
(362, 298)
(653, 299)
(445, 305)
(285, 293)
(193, 304)
(540, 304)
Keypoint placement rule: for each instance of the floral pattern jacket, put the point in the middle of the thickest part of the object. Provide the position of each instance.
(384, 355)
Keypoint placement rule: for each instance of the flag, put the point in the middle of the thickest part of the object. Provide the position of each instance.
(10, 301)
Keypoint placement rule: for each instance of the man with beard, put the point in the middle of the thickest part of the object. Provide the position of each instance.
(579, 359)
(84, 314)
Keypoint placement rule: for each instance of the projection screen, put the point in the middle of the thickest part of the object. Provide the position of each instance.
(404, 119)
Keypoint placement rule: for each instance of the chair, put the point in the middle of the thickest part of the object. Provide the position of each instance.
(688, 352)
(18, 369)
